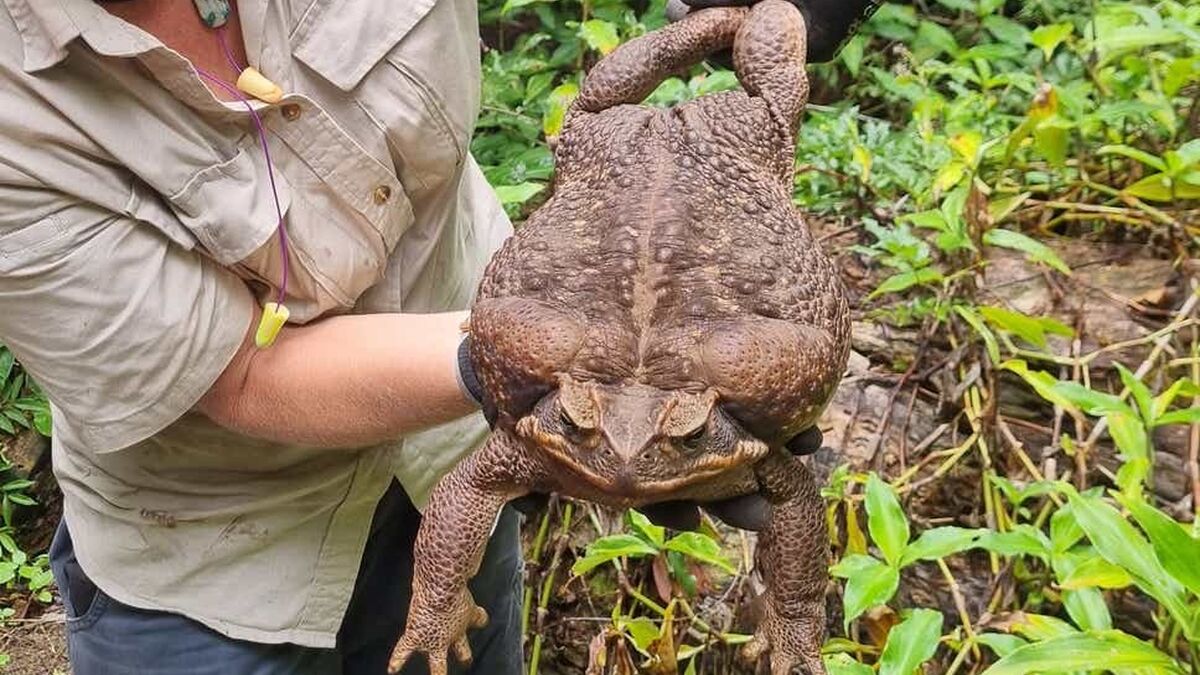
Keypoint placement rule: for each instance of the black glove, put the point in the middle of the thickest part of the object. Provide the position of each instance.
(748, 512)
(830, 22)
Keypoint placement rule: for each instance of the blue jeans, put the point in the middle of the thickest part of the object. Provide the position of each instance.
(106, 637)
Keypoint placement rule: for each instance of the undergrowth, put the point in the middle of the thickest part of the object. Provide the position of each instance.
(946, 132)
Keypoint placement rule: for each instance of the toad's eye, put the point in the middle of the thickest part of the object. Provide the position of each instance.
(568, 425)
(692, 440)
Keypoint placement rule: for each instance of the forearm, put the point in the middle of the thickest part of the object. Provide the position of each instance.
(345, 381)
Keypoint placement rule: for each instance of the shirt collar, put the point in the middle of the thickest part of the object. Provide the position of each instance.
(48, 26)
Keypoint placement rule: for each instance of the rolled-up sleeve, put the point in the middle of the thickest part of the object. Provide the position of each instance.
(122, 328)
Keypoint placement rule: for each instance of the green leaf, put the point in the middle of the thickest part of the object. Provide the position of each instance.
(1096, 573)
(1021, 540)
(852, 54)
(1087, 608)
(1030, 329)
(886, 520)
(1141, 394)
(989, 338)
(933, 40)
(1142, 156)
(1091, 401)
(1119, 543)
(1050, 36)
(1001, 643)
(1007, 30)
(1002, 208)
(1184, 416)
(1033, 249)
(1176, 549)
(641, 525)
(641, 630)
(557, 104)
(869, 583)
(518, 194)
(844, 664)
(701, 547)
(911, 643)
(940, 542)
(905, 280)
(610, 548)
(1112, 648)
(600, 35)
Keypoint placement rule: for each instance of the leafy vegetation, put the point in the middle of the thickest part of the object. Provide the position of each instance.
(946, 133)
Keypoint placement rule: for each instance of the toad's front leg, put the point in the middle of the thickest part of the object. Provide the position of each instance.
(450, 544)
(792, 557)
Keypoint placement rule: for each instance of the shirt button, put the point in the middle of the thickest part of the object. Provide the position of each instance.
(291, 112)
(382, 194)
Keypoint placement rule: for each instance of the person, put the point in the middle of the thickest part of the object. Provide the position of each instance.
(239, 499)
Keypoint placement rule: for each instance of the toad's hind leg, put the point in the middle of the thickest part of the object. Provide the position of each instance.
(792, 557)
(449, 549)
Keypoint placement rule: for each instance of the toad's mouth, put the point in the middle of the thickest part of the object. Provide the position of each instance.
(625, 489)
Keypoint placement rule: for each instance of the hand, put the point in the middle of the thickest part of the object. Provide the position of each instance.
(748, 512)
(830, 22)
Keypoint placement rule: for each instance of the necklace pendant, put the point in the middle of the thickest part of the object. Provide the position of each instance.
(213, 13)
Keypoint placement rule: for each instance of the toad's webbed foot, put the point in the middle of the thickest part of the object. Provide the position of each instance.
(449, 549)
(437, 631)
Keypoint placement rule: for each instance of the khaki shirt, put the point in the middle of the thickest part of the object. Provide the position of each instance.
(137, 231)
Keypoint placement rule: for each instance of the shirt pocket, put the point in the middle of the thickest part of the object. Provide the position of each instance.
(415, 75)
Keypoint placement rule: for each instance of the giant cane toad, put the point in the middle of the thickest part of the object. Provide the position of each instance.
(658, 330)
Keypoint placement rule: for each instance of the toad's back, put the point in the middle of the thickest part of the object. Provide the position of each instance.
(666, 223)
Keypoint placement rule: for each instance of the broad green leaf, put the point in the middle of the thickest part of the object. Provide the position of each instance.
(939, 542)
(1052, 138)
(999, 209)
(1141, 394)
(911, 643)
(1160, 188)
(641, 526)
(1162, 402)
(1050, 36)
(1030, 329)
(701, 547)
(989, 338)
(1021, 540)
(1098, 573)
(1087, 608)
(1035, 250)
(905, 280)
(1122, 545)
(642, 630)
(844, 664)
(933, 40)
(886, 520)
(1178, 552)
(518, 194)
(1039, 627)
(557, 104)
(869, 583)
(1091, 401)
(1041, 382)
(1112, 648)
(1007, 30)
(852, 54)
(600, 35)
(1184, 416)
(1137, 37)
(610, 548)
(1001, 643)
(1142, 156)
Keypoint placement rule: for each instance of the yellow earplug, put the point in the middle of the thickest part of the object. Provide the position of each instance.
(273, 317)
(257, 85)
